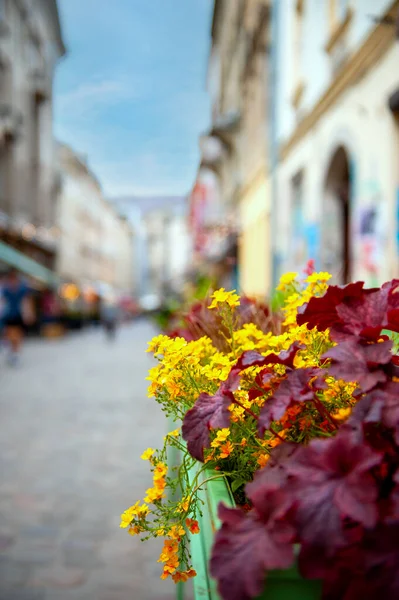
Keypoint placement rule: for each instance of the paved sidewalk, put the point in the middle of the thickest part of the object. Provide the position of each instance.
(74, 420)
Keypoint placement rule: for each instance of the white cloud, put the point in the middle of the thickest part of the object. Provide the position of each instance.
(87, 98)
(146, 173)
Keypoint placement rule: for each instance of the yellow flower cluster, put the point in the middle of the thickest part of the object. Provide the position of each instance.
(130, 515)
(159, 483)
(187, 369)
(221, 297)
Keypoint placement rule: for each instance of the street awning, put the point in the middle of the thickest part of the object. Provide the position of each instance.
(28, 266)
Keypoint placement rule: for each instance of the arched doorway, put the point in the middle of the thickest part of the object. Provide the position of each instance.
(336, 243)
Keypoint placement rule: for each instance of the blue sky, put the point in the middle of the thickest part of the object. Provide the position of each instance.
(130, 93)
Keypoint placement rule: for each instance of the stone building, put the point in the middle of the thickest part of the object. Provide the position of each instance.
(236, 214)
(95, 248)
(162, 243)
(31, 45)
(336, 138)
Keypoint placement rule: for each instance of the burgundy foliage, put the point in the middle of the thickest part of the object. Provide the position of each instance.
(336, 498)
(250, 544)
(295, 388)
(354, 360)
(209, 412)
(200, 321)
(251, 358)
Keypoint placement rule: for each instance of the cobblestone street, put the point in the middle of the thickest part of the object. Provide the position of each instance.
(74, 420)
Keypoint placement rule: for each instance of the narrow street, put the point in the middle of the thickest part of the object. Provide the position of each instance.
(75, 418)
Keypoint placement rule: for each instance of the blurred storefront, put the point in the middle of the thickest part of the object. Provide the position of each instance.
(96, 248)
(230, 219)
(337, 138)
(28, 183)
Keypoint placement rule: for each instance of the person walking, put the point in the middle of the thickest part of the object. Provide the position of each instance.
(17, 313)
(109, 316)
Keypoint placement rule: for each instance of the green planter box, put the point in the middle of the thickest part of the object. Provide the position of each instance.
(281, 585)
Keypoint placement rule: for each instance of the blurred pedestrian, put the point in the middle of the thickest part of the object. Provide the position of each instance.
(18, 313)
(109, 316)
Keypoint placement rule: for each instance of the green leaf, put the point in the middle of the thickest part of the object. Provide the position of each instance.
(237, 483)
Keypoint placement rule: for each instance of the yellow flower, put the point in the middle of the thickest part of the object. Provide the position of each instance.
(155, 493)
(147, 454)
(157, 342)
(160, 471)
(222, 296)
(318, 277)
(126, 518)
(134, 511)
(183, 506)
(286, 280)
(174, 433)
(342, 414)
(221, 437)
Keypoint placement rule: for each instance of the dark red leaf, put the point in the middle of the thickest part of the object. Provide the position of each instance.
(381, 564)
(251, 358)
(380, 406)
(353, 360)
(332, 481)
(247, 546)
(272, 479)
(366, 316)
(208, 412)
(295, 388)
(321, 312)
(260, 383)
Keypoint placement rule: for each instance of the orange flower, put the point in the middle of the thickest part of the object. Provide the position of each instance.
(274, 442)
(290, 414)
(168, 570)
(209, 457)
(176, 532)
(304, 423)
(170, 549)
(262, 460)
(226, 449)
(183, 575)
(192, 525)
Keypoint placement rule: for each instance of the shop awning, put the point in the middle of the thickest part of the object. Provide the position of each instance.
(14, 258)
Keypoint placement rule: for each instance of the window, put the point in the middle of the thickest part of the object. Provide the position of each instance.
(299, 87)
(298, 250)
(339, 18)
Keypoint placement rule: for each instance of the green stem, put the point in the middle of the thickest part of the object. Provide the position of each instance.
(247, 410)
(324, 412)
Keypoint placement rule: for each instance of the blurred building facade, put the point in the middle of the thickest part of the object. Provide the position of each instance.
(96, 249)
(335, 181)
(31, 45)
(230, 215)
(162, 243)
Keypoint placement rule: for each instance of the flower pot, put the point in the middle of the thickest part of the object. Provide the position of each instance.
(281, 585)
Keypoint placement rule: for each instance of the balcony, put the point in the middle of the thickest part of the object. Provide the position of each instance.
(41, 83)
